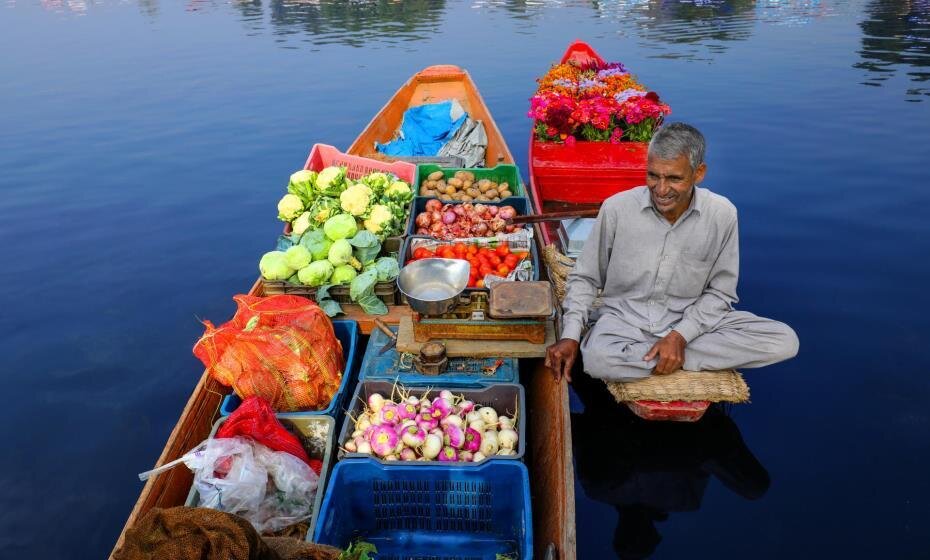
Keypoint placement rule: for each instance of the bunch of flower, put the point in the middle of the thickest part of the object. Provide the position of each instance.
(594, 102)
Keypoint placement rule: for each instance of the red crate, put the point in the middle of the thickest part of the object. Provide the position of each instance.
(323, 155)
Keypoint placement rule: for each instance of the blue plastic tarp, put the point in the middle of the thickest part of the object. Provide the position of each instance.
(426, 129)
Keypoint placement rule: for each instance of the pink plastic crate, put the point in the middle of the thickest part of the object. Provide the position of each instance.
(323, 155)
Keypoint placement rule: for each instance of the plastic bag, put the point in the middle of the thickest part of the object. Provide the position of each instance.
(255, 420)
(281, 348)
(272, 489)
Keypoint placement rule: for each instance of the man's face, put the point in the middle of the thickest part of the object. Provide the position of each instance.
(671, 182)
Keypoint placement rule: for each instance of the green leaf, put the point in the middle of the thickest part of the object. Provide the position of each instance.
(372, 305)
(329, 306)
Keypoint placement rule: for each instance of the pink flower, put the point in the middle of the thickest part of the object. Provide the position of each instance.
(570, 141)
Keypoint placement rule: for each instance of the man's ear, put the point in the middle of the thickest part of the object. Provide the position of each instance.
(699, 173)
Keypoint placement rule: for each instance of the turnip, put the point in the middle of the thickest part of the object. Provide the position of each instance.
(466, 407)
(407, 411)
(388, 414)
(448, 455)
(365, 448)
(505, 422)
(441, 409)
(489, 443)
(407, 454)
(489, 415)
(507, 438)
(363, 422)
(375, 402)
(505, 451)
(446, 394)
(432, 445)
(357, 433)
(413, 400)
(454, 436)
(473, 415)
(478, 457)
(472, 440)
(414, 436)
(453, 419)
(383, 440)
(391, 457)
(351, 447)
(466, 456)
(477, 425)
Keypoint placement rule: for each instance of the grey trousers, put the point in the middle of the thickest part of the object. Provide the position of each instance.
(613, 350)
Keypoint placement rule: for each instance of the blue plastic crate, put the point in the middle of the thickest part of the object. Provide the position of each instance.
(461, 372)
(347, 332)
(520, 203)
(436, 512)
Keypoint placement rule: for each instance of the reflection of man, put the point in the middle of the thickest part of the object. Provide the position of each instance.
(646, 469)
(664, 259)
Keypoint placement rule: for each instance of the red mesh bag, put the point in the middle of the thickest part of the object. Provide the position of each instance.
(255, 419)
(281, 348)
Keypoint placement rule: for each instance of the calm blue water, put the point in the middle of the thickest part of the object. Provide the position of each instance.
(143, 146)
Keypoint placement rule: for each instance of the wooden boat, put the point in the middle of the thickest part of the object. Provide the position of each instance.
(565, 179)
(432, 85)
(550, 458)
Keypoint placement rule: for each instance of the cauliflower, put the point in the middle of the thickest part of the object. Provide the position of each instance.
(377, 181)
(399, 191)
(379, 221)
(301, 224)
(301, 185)
(289, 207)
(331, 181)
(355, 199)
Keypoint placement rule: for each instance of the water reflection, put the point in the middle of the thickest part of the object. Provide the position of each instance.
(356, 23)
(896, 36)
(647, 470)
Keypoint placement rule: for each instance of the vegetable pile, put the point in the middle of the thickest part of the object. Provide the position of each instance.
(459, 221)
(334, 255)
(377, 202)
(483, 260)
(463, 187)
(448, 428)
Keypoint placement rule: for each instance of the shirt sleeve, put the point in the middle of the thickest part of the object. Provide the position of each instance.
(587, 278)
(720, 294)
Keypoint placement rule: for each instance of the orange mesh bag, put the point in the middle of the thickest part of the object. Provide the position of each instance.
(281, 348)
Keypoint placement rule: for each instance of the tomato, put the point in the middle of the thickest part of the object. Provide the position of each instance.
(472, 282)
(485, 251)
(503, 270)
(459, 249)
(521, 255)
(511, 260)
(503, 249)
(494, 259)
(479, 284)
(483, 259)
(485, 270)
(446, 252)
(474, 263)
(472, 249)
(420, 252)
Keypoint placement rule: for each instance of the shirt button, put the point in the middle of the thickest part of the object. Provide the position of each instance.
(651, 302)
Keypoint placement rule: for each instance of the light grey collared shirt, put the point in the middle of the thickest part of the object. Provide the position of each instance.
(655, 275)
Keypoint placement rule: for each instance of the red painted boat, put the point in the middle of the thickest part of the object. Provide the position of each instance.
(583, 176)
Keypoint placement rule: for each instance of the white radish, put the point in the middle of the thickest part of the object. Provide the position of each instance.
(365, 448)
(432, 445)
(478, 457)
(489, 443)
(351, 447)
(488, 414)
(391, 458)
(477, 425)
(507, 438)
(506, 422)
(505, 451)
(357, 433)
(472, 416)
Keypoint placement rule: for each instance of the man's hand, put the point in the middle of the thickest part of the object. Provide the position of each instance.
(560, 357)
(670, 351)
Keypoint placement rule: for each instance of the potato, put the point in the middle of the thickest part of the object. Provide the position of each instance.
(440, 186)
(424, 190)
(456, 196)
(460, 175)
(505, 194)
(483, 182)
(496, 199)
(466, 198)
(503, 186)
(484, 188)
(435, 176)
(451, 190)
(473, 192)
(493, 185)
(470, 176)
(467, 183)
(457, 183)
(491, 193)
(482, 198)
(431, 193)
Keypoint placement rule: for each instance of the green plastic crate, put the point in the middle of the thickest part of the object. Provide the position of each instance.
(503, 173)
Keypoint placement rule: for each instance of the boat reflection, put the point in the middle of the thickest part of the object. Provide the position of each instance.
(647, 470)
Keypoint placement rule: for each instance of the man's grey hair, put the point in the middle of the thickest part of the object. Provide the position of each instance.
(678, 139)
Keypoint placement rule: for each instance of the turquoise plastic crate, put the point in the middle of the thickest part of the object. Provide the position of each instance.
(461, 372)
(347, 333)
(435, 512)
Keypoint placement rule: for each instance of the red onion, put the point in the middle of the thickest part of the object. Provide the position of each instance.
(480, 229)
(507, 212)
(435, 216)
(510, 228)
(433, 205)
(423, 231)
(480, 208)
(492, 210)
(498, 224)
(448, 217)
(435, 227)
(423, 219)
(459, 211)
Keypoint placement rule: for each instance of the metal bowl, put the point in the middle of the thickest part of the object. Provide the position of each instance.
(432, 286)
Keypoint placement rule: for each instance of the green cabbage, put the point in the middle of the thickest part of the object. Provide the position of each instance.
(317, 243)
(340, 226)
(341, 253)
(331, 181)
(343, 274)
(388, 269)
(297, 257)
(362, 292)
(273, 266)
(316, 273)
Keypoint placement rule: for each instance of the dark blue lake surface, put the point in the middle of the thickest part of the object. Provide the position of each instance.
(143, 146)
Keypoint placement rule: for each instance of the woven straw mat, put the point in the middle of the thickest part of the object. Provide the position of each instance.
(715, 386)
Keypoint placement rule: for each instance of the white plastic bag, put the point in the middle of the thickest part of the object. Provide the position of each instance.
(272, 489)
